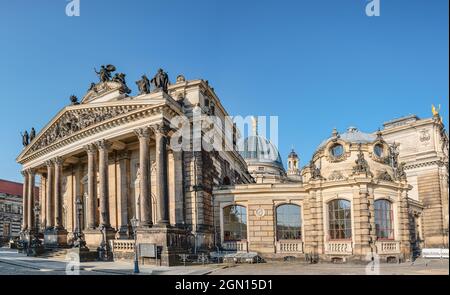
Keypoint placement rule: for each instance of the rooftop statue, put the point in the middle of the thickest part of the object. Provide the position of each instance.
(120, 78)
(32, 134)
(25, 138)
(161, 80)
(143, 85)
(74, 100)
(92, 86)
(435, 111)
(105, 72)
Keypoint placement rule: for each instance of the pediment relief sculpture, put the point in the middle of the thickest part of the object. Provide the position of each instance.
(75, 120)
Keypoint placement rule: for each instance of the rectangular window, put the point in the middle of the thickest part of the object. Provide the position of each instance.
(6, 230)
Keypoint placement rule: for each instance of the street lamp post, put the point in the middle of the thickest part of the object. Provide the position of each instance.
(134, 223)
(79, 240)
(36, 210)
(35, 246)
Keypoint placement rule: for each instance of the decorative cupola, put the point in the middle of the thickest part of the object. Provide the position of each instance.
(293, 163)
(294, 172)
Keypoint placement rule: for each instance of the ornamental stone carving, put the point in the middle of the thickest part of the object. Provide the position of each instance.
(142, 132)
(161, 129)
(424, 137)
(260, 212)
(384, 176)
(153, 167)
(90, 148)
(104, 144)
(76, 120)
(400, 173)
(336, 175)
(361, 167)
(315, 171)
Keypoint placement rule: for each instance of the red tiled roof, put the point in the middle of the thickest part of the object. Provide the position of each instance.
(14, 188)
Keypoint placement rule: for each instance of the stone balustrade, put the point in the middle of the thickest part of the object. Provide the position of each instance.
(339, 248)
(388, 247)
(239, 246)
(289, 246)
(122, 245)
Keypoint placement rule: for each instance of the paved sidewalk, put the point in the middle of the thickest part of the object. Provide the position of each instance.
(12, 262)
(419, 267)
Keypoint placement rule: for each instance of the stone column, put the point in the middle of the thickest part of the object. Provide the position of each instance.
(58, 193)
(43, 201)
(25, 201)
(161, 173)
(176, 166)
(361, 221)
(92, 181)
(103, 147)
(145, 199)
(49, 218)
(371, 219)
(123, 191)
(403, 223)
(30, 214)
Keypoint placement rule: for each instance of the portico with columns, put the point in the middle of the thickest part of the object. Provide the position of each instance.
(112, 153)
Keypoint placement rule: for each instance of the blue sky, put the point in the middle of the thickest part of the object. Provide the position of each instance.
(315, 64)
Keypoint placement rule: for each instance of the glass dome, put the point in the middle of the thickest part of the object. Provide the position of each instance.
(257, 149)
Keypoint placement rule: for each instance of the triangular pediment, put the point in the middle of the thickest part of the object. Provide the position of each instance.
(75, 119)
(104, 92)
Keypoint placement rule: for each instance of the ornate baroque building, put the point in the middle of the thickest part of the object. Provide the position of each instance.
(424, 147)
(109, 163)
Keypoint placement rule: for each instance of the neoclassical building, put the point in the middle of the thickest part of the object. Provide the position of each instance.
(111, 154)
(111, 173)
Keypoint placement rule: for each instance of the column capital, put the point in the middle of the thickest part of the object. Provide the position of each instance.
(58, 161)
(24, 173)
(143, 132)
(103, 144)
(161, 129)
(30, 171)
(124, 154)
(48, 163)
(90, 148)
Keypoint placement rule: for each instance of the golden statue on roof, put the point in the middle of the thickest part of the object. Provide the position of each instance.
(435, 111)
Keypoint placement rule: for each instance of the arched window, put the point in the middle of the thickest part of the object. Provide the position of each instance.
(383, 219)
(234, 223)
(289, 226)
(339, 220)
